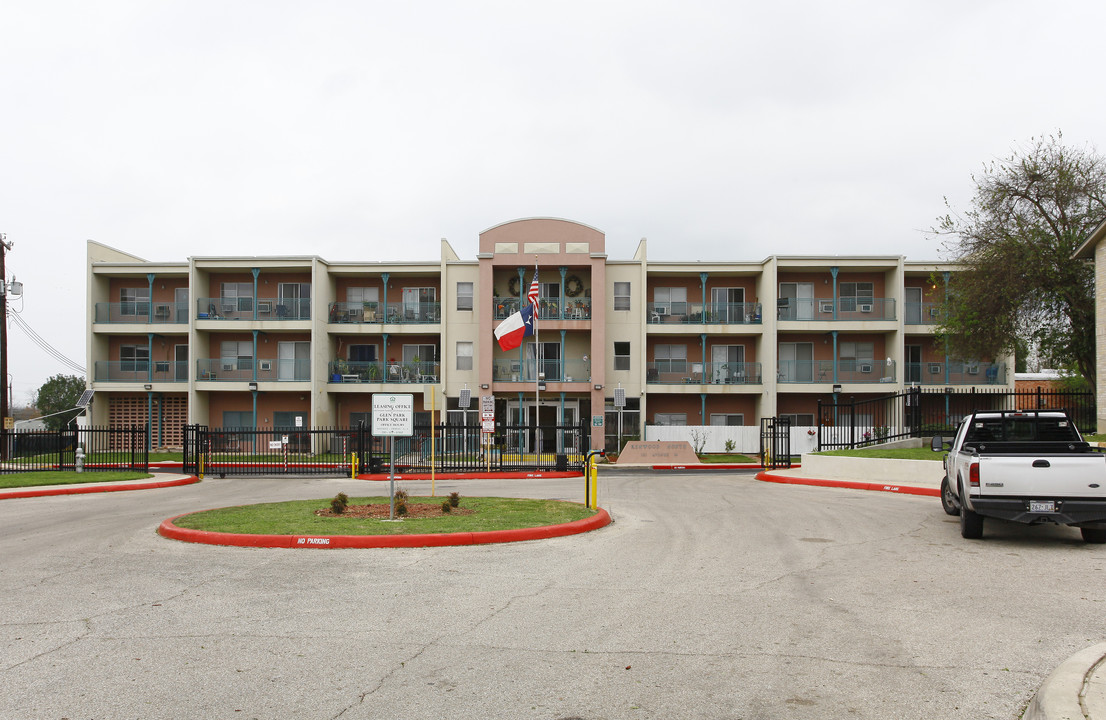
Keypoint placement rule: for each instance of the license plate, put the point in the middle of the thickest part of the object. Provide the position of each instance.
(1042, 506)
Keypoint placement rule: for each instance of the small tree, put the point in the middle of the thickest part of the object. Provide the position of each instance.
(59, 393)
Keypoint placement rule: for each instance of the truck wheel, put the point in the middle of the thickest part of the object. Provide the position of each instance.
(948, 500)
(971, 524)
(1094, 535)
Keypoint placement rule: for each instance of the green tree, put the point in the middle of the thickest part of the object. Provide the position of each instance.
(1030, 212)
(59, 393)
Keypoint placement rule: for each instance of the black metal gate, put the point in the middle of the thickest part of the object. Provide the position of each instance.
(775, 443)
(332, 451)
(104, 448)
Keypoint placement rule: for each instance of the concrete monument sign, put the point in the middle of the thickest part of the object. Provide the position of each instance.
(658, 452)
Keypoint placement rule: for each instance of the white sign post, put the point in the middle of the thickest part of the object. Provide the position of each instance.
(393, 414)
(487, 429)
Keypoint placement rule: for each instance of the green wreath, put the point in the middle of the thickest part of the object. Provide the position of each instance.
(512, 286)
(573, 285)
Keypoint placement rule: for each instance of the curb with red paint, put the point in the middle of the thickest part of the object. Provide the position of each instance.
(321, 542)
(94, 488)
(849, 484)
(378, 477)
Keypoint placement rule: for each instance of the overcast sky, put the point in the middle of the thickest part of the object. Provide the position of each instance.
(370, 130)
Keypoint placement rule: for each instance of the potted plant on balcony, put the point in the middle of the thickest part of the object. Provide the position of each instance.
(372, 372)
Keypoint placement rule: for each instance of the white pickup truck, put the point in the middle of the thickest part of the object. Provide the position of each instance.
(1026, 466)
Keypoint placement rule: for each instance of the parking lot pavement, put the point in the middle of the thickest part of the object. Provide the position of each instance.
(710, 596)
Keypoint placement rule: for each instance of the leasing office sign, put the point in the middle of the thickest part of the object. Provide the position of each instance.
(393, 415)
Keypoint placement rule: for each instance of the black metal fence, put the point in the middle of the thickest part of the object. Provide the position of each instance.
(775, 443)
(331, 451)
(921, 413)
(104, 448)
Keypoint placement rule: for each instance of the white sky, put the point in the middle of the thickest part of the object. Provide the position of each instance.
(370, 130)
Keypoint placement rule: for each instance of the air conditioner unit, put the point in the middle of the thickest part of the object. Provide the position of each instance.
(265, 365)
(660, 310)
(826, 306)
(935, 369)
(229, 365)
(864, 307)
(973, 369)
(934, 312)
(864, 368)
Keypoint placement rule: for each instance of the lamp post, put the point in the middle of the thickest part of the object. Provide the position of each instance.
(4, 247)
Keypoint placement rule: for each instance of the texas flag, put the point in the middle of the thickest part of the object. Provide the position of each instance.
(516, 327)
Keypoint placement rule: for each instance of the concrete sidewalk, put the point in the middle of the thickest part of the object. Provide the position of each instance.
(150, 483)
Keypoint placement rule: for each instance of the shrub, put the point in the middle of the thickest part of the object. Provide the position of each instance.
(339, 503)
(401, 504)
(446, 507)
(454, 499)
(401, 495)
(730, 446)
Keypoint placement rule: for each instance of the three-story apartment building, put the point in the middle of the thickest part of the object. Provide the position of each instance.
(284, 342)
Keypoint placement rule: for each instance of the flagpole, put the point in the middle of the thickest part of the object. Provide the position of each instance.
(537, 371)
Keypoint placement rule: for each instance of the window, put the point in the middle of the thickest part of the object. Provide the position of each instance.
(236, 355)
(464, 296)
(548, 291)
(237, 419)
(670, 358)
(796, 362)
(420, 304)
(134, 358)
(673, 300)
(670, 418)
(235, 297)
(799, 419)
(464, 355)
(622, 296)
(727, 419)
(622, 356)
(856, 355)
(362, 353)
(854, 293)
(134, 301)
(295, 300)
(356, 418)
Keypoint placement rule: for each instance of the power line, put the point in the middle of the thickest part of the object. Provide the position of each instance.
(44, 345)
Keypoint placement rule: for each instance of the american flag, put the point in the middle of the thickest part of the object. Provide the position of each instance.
(532, 296)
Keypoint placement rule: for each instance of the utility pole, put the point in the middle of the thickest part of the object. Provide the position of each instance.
(4, 410)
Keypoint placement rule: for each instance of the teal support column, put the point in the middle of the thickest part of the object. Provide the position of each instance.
(946, 277)
(384, 280)
(384, 359)
(833, 272)
(834, 334)
(562, 377)
(255, 272)
(703, 409)
(703, 297)
(149, 357)
(521, 415)
(255, 353)
(703, 355)
(254, 394)
(150, 303)
(561, 307)
(149, 419)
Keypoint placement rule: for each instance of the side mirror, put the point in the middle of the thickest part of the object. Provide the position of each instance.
(937, 444)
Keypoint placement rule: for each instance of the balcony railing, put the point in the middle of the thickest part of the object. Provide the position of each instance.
(959, 373)
(830, 310)
(848, 371)
(404, 313)
(523, 371)
(140, 312)
(915, 313)
(715, 314)
(548, 309)
(244, 308)
(376, 371)
(684, 372)
(242, 370)
(140, 371)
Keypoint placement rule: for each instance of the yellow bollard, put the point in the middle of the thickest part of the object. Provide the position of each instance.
(594, 485)
(353, 466)
(201, 473)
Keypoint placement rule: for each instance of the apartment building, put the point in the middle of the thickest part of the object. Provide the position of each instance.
(284, 342)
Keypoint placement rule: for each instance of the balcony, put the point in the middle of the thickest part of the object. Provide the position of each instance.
(242, 370)
(682, 372)
(848, 371)
(715, 314)
(522, 371)
(840, 310)
(409, 313)
(574, 308)
(244, 308)
(139, 313)
(959, 373)
(922, 313)
(376, 371)
(140, 371)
